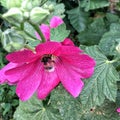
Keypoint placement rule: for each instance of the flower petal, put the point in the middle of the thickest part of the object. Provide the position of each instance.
(18, 73)
(46, 31)
(83, 61)
(69, 50)
(21, 56)
(48, 48)
(67, 42)
(37, 35)
(55, 21)
(118, 110)
(27, 86)
(48, 83)
(80, 63)
(70, 79)
(2, 71)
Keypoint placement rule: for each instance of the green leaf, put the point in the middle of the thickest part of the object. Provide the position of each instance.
(110, 39)
(103, 83)
(3, 3)
(33, 109)
(6, 107)
(112, 17)
(94, 4)
(70, 108)
(93, 33)
(118, 98)
(78, 19)
(106, 111)
(59, 33)
(59, 10)
(63, 101)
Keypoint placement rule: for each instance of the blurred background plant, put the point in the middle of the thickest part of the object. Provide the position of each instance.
(93, 25)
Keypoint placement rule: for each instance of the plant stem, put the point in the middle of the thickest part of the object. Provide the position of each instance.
(36, 27)
(29, 47)
(42, 3)
(79, 3)
(22, 26)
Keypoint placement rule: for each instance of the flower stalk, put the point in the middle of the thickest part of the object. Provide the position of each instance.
(36, 27)
(29, 47)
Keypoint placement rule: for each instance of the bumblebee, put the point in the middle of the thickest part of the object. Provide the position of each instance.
(48, 61)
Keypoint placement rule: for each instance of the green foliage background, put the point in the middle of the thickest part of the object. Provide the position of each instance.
(94, 26)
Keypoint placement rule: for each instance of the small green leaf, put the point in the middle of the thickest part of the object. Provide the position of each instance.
(78, 19)
(58, 9)
(34, 43)
(103, 83)
(110, 39)
(33, 109)
(59, 33)
(94, 4)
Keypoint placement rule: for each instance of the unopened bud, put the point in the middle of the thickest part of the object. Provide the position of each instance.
(26, 15)
(14, 15)
(12, 41)
(13, 3)
(27, 5)
(49, 7)
(38, 15)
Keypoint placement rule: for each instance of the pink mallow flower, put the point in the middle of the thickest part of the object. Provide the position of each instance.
(118, 110)
(42, 70)
(54, 22)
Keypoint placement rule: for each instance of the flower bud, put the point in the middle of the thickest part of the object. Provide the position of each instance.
(27, 5)
(12, 41)
(13, 3)
(49, 7)
(14, 15)
(38, 15)
(26, 15)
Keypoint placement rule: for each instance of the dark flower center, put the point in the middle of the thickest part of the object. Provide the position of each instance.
(48, 61)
